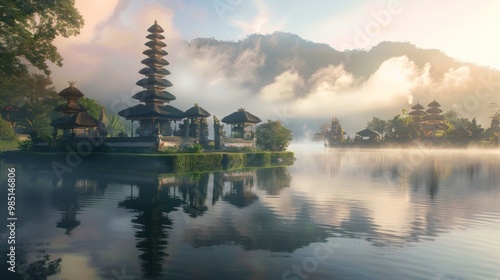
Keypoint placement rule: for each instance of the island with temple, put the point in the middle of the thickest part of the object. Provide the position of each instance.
(159, 131)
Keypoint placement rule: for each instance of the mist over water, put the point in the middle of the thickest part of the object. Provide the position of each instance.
(375, 213)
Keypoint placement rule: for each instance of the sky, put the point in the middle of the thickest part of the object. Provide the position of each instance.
(105, 58)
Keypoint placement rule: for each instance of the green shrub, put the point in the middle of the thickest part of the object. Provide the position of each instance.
(6, 131)
(25, 145)
(195, 148)
(197, 162)
(170, 150)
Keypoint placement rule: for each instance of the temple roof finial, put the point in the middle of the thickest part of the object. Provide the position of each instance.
(155, 21)
(71, 83)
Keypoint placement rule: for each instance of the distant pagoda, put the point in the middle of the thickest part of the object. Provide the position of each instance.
(153, 116)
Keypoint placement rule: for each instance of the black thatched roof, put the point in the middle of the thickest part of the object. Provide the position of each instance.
(156, 36)
(434, 104)
(71, 92)
(417, 113)
(77, 120)
(149, 71)
(367, 133)
(241, 116)
(461, 132)
(154, 82)
(417, 107)
(153, 44)
(151, 110)
(151, 61)
(155, 28)
(196, 112)
(433, 117)
(434, 110)
(150, 95)
(155, 52)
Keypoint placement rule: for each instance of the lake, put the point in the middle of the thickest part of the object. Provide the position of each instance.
(334, 214)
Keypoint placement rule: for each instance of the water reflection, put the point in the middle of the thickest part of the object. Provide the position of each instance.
(152, 205)
(388, 201)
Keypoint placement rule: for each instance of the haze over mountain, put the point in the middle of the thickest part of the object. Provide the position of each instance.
(302, 83)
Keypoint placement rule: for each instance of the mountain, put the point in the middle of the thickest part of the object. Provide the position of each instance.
(315, 82)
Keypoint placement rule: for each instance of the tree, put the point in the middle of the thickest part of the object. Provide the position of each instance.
(6, 131)
(335, 133)
(273, 136)
(113, 123)
(377, 125)
(38, 99)
(27, 29)
(322, 134)
(396, 128)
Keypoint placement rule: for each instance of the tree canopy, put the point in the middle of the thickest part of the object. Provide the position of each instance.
(27, 30)
(273, 136)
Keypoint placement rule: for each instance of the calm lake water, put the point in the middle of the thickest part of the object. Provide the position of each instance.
(334, 214)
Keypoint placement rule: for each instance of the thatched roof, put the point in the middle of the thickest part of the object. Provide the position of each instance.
(151, 61)
(156, 36)
(241, 116)
(155, 44)
(196, 112)
(461, 132)
(368, 133)
(154, 82)
(417, 107)
(155, 28)
(417, 113)
(71, 92)
(434, 110)
(148, 71)
(152, 111)
(433, 117)
(150, 95)
(77, 120)
(434, 104)
(155, 52)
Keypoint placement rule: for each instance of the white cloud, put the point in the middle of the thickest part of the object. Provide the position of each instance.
(284, 87)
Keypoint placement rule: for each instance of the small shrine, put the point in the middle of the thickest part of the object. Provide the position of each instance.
(196, 125)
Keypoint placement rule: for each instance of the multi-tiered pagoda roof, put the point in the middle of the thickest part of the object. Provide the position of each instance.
(154, 83)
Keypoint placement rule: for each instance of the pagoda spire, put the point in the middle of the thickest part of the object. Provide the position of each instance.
(154, 82)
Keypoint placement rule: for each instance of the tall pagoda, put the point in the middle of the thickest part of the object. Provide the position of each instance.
(154, 116)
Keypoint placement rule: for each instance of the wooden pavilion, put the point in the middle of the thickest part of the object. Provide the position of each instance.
(242, 128)
(196, 125)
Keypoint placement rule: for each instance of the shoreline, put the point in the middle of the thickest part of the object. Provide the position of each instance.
(63, 162)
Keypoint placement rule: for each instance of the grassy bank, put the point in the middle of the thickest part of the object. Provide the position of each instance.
(8, 145)
(176, 163)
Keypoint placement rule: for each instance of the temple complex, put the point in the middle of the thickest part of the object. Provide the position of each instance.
(154, 116)
(433, 122)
